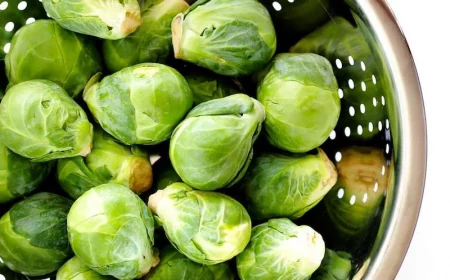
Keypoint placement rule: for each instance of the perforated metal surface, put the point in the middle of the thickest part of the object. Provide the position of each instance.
(371, 115)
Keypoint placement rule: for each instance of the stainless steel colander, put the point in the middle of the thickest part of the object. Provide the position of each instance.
(400, 135)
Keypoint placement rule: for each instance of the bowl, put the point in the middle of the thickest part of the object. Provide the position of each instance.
(380, 140)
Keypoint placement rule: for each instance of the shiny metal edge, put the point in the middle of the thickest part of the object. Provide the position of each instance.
(400, 218)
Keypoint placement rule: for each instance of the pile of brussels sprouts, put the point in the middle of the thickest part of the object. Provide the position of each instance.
(158, 139)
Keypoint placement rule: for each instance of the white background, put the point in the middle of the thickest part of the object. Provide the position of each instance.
(426, 25)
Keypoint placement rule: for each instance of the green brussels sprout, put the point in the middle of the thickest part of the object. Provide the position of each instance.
(207, 227)
(48, 126)
(228, 37)
(206, 86)
(279, 186)
(44, 50)
(297, 18)
(108, 162)
(334, 266)
(337, 41)
(279, 249)
(151, 42)
(354, 202)
(107, 19)
(74, 269)
(300, 95)
(112, 231)
(213, 146)
(33, 235)
(165, 175)
(19, 176)
(176, 266)
(141, 104)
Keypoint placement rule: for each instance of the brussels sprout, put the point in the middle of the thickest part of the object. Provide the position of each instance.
(279, 249)
(207, 227)
(107, 19)
(44, 50)
(152, 41)
(213, 146)
(33, 235)
(111, 231)
(19, 176)
(49, 125)
(334, 266)
(353, 203)
(287, 186)
(337, 40)
(108, 162)
(207, 86)
(141, 104)
(298, 18)
(165, 175)
(300, 95)
(176, 266)
(232, 38)
(74, 269)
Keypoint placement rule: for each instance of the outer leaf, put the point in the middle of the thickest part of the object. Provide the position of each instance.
(44, 50)
(33, 235)
(279, 249)
(228, 37)
(212, 147)
(141, 104)
(19, 176)
(107, 19)
(300, 95)
(279, 186)
(111, 230)
(38, 120)
(207, 227)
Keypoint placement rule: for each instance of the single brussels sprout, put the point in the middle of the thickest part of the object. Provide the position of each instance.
(213, 146)
(278, 186)
(141, 104)
(228, 37)
(297, 18)
(165, 175)
(151, 42)
(354, 202)
(279, 249)
(108, 162)
(107, 19)
(334, 266)
(19, 176)
(206, 86)
(44, 50)
(176, 266)
(337, 41)
(33, 235)
(207, 227)
(49, 125)
(74, 269)
(112, 231)
(300, 95)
